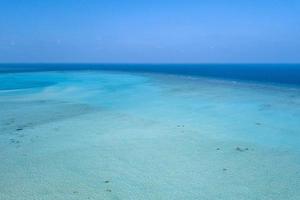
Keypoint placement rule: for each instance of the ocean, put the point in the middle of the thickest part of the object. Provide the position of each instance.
(134, 131)
(273, 73)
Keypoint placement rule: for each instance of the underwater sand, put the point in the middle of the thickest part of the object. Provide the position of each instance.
(107, 135)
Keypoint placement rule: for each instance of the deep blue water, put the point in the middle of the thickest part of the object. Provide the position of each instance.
(272, 73)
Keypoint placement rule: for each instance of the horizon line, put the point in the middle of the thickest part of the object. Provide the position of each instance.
(143, 63)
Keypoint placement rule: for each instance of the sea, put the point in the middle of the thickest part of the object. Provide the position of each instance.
(149, 131)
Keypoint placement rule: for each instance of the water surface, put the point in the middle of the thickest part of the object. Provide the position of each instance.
(125, 135)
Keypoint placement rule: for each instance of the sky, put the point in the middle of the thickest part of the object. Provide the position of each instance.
(150, 31)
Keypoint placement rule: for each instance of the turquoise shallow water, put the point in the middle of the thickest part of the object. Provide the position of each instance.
(108, 135)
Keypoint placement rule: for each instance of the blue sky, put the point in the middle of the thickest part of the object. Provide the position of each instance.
(157, 31)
